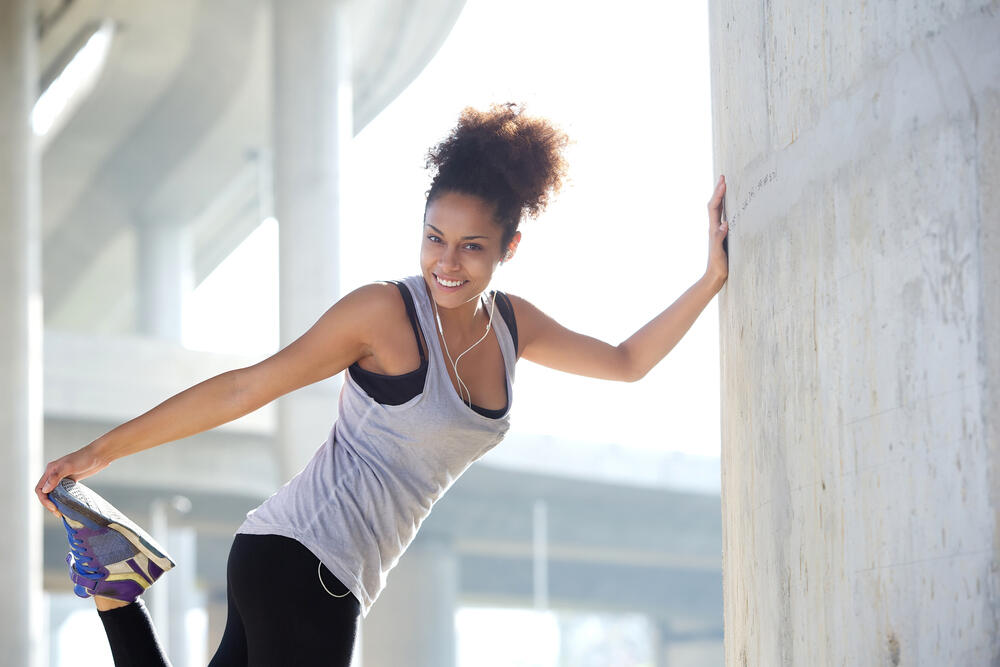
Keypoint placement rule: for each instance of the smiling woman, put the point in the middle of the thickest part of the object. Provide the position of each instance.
(413, 414)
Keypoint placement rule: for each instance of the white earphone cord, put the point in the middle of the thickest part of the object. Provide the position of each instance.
(454, 363)
(319, 573)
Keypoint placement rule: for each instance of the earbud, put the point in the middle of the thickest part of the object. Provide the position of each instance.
(507, 255)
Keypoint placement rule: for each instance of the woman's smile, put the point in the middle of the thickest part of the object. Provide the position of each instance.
(448, 283)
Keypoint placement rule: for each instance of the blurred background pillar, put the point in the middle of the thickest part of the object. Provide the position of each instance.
(860, 331)
(312, 128)
(21, 617)
(413, 621)
(166, 278)
(187, 641)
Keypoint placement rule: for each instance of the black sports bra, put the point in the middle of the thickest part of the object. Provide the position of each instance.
(398, 389)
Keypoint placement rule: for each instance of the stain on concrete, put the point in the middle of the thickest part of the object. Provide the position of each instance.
(893, 649)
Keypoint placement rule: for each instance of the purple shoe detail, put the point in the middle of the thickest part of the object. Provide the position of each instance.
(138, 570)
(154, 570)
(126, 590)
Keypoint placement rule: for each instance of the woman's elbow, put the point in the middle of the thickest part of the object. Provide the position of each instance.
(634, 375)
(628, 369)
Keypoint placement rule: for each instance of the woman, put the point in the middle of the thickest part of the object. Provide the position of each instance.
(428, 390)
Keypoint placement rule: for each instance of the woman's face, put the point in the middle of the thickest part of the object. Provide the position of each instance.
(461, 248)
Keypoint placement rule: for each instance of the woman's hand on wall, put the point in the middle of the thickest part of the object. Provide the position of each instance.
(718, 259)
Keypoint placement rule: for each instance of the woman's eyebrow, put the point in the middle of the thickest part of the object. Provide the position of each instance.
(464, 238)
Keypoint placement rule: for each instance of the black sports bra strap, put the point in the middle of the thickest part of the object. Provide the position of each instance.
(507, 312)
(412, 313)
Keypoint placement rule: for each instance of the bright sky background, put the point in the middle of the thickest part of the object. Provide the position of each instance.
(625, 238)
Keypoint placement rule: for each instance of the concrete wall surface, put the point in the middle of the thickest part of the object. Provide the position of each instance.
(860, 330)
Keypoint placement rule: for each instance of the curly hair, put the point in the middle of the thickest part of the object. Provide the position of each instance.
(509, 159)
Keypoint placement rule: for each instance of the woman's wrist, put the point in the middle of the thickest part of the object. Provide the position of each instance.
(713, 281)
(101, 450)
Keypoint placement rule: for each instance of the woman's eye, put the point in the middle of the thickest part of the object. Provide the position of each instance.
(433, 238)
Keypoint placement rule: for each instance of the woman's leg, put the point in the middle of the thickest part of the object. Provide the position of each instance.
(286, 614)
(131, 636)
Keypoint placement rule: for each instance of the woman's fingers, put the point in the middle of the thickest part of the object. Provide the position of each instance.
(720, 188)
(718, 260)
(77, 465)
(48, 482)
(715, 203)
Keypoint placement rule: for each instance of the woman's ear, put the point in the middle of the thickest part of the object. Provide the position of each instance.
(511, 248)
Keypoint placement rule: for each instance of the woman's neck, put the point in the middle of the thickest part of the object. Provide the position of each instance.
(466, 321)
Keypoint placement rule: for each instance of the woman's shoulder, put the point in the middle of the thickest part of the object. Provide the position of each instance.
(521, 306)
(377, 298)
(385, 304)
(529, 318)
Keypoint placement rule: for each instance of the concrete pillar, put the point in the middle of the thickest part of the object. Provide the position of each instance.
(176, 605)
(21, 618)
(413, 621)
(540, 554)
(166, 278)
(661, 644)
(860, 331)
(312, 127)
(187, 638)
(60, 608)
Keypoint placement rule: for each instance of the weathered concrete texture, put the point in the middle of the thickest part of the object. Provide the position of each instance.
(860, 331)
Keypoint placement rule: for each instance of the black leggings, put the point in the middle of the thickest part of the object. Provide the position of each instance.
(279, 612)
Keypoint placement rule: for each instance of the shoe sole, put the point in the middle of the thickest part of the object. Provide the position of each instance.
(86, 504)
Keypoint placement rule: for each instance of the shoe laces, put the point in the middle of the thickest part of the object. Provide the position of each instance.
(82, 562)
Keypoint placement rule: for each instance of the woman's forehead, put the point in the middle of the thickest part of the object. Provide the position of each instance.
(458, 213)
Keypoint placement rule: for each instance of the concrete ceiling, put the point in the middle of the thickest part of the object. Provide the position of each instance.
(180, 114)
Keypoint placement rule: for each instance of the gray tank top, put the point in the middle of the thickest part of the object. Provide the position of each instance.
(358, 503)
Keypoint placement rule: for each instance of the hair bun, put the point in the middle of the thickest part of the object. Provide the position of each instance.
(504, 156)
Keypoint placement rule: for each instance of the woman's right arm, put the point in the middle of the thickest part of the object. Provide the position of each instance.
(339, 338)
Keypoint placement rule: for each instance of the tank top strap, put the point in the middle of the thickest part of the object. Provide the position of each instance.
(507, 312)
(412, 314)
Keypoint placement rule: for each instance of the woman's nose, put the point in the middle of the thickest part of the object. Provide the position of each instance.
(449, 258)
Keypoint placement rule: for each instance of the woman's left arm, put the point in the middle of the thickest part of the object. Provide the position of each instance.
(548, 343)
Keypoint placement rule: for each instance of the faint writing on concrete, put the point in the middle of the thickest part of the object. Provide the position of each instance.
(764, 180)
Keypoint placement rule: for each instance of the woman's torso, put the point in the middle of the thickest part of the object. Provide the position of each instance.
(360, 500)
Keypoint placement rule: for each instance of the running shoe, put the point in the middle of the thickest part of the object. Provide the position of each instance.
(110, 555)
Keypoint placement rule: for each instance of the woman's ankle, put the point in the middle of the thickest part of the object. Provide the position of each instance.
(107, 604)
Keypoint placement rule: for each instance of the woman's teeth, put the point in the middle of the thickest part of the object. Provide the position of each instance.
(449, 283)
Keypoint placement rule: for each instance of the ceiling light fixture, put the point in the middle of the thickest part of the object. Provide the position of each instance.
(72, 78)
